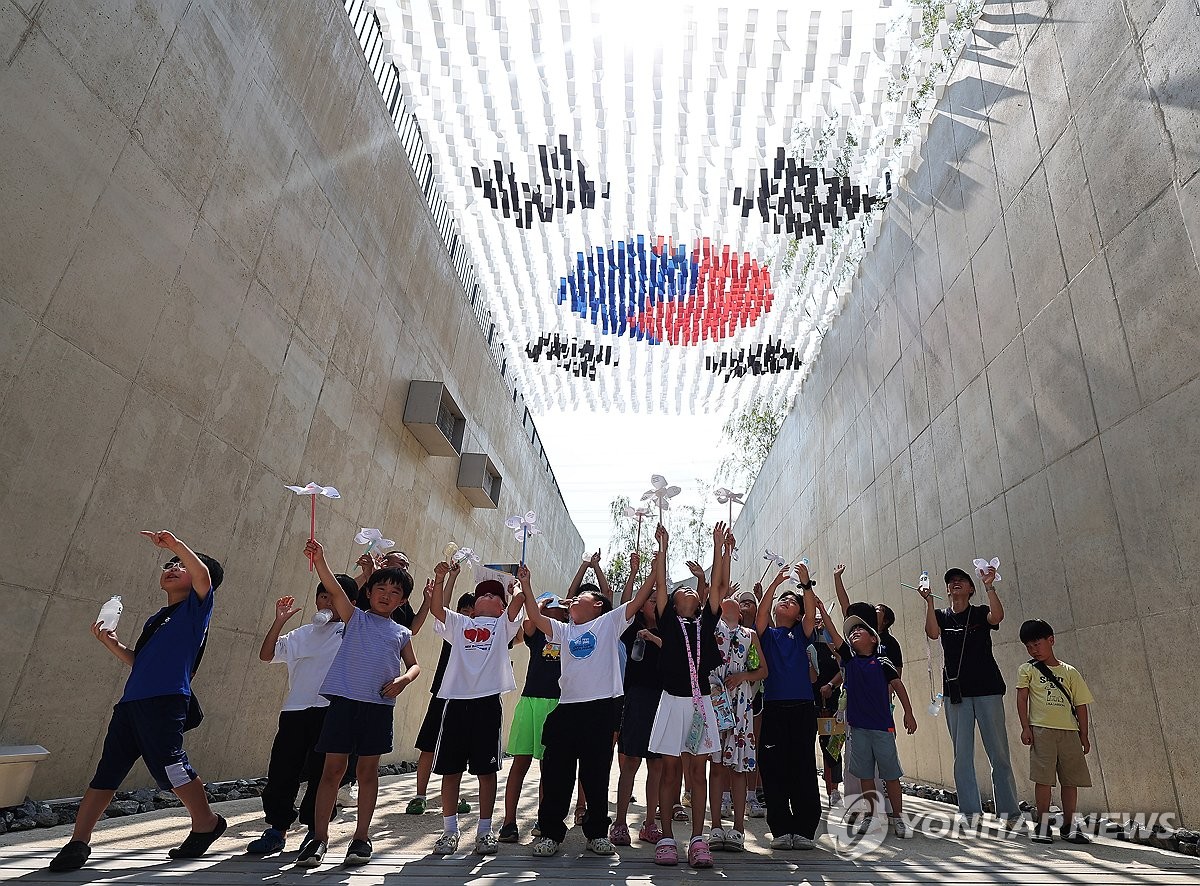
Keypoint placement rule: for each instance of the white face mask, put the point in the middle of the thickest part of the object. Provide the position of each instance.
(322, 617)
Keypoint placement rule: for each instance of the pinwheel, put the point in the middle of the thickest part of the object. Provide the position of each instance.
(373, 539)
(523, 527)
(772, 559)
(465, 555)
(725, 496)
(314, 490)
(661, 493)
(981, 566)
(637, 514)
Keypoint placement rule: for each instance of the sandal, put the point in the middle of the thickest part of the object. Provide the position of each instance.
(680, 813)
(699, 855)
(666, 852)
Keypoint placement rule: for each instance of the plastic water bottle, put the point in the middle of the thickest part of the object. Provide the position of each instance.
(935, 707)
(638, 652)
(923, 584)
(110, 614)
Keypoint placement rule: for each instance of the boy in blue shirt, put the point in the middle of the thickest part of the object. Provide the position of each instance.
(153, 713)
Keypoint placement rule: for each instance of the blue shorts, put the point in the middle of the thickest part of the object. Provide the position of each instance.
(873, 750)
(356, 727)
(149, 728)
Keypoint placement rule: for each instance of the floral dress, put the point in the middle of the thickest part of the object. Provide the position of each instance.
(737, 744)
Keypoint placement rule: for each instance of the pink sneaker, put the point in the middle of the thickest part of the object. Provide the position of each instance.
(699, 855)
(650, 833)
(666, 853)
(618, 835)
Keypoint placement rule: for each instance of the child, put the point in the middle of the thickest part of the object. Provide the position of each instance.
(870, 679)
(538, 699)
(374, 665)
(154, 710)
(737, 755)
(786, 759)
(308, 651)
(478, 673)
(578, 733)
(685, 727)
(1052, 702)
(827, 693)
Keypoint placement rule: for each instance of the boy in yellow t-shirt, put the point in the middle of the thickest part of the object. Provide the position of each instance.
(1052, 702)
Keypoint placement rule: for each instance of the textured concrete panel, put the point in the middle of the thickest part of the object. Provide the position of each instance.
(980, 453)
(1033, 245)
(991, 269)
(1071, 197)
(1012, 408)
(1103, 339)
(1060, 385)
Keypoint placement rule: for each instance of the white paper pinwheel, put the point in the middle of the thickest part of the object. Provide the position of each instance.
(315, 489)
(768, 554)
(373, 539)
(661, 493)
(725, 496)
(523, 527)
(981, 565)
(638, 513)
(465, 555)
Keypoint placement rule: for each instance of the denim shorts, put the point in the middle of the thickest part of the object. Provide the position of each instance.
(872, 750)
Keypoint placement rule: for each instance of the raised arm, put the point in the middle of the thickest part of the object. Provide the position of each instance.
(644, 592)
(285, 608)
(366, 568)
(722, 547)
(836, 639)
(573, 589)
(932, 630)
(635, 564)
(342, 604)
(532, 613)
(423, 611)
(995, 607)
(840, 589)
(809, 619)
(517, 588)
(441, 593)
(763, 620)
(663, 593)
(601, 578)
(197, 571)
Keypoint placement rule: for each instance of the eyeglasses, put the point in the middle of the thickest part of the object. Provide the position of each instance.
(174, 564)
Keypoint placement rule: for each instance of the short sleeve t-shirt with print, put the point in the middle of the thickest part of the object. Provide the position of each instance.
(308, 653)
(545, 666)
(980, 674)
(868, 701)
(370, 657)
(480, 664)
(1048, 707)
(642, 673)
(591, 657)
(164, 664)
(673, 657)
(786, 652)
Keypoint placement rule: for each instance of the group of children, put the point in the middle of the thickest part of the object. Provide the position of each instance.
(711, 685)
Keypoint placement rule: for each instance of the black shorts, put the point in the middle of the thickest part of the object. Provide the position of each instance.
(356, 727)
(618, 712)
(427, 735)
(469, 740)
(150, 728)
(757, 704)
(637, 720)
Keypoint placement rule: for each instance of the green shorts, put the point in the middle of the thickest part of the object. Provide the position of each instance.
(525, 734)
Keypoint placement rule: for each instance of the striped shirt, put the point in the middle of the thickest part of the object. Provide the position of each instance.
(369, 659)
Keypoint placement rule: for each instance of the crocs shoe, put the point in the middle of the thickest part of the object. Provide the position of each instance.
(486, 844)
(601, 846)
(699, 854)
(783, 841)
(197, 843)
(71, 857)
(270, 842)
(416, 806)
(755, 809)
(618, 835)
(716, 839)
(666, 852)
(359, 852)
(447, 844)
(649, 833)
(735, 841)
(312, 855)
(545, 847)
(463, 807)
(509, 833)
(680, 813)
(899, 828)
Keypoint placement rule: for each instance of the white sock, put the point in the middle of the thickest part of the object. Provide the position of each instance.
(695, 838)
(485, 826)
(451, 823)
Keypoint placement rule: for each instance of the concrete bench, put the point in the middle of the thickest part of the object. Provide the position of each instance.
(17, 763)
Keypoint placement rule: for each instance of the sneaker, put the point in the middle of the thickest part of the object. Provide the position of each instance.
(801, 842)
(309, 836)
(755, 809)
(509, 833)
(1041, 834)
(699, 854)
(270, 842)
(601, 846)
(312, 855)
(835, 799)
(359, 852)
(486, 844)
(1075, 835)
(447, 844)
(666, 853)
(726, 809)
(347, 795)
(545, 847)
(783, 841)
(416, 806)
(197, 842)
(463, 807)
(618, 835)
(899, 828)
(735, 841)
(649, 832)
(864, 826)
(71, 857)
(716, 839)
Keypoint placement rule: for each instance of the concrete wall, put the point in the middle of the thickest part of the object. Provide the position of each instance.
(1015, 374)
(218, 276)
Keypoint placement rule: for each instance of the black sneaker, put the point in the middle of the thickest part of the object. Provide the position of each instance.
(359, 852)
(509, 833)
(309, 836)
(197, 843)
(312, 854)
(71, 857)
(1041, 834)
(1075, 835)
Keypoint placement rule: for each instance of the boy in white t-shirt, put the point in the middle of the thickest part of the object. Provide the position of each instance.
(578, 733)
(478, 673)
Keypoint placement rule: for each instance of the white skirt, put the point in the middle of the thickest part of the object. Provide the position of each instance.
(673, 722)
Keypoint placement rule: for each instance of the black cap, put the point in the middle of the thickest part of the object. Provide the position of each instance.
(955, 572)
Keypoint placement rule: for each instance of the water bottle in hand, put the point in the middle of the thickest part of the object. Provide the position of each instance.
(110, 614)
(638, 652)
(923, 583)
(935, 707)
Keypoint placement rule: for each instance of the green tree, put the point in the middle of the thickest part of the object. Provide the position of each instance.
(749, 435)
(621, 543)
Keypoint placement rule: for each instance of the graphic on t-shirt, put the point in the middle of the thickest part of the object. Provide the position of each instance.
(477, 638)
(551, 652)
(583, 646)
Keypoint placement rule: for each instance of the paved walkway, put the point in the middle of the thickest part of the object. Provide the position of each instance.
(133, 851)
